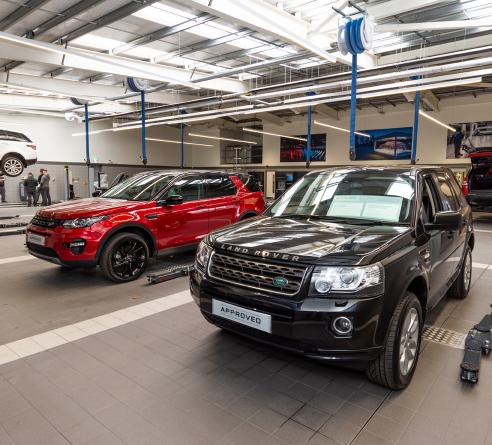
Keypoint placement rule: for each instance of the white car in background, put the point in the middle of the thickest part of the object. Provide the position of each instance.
(17, 151)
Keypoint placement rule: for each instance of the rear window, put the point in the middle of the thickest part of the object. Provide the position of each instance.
(250, 183)
(13, 136)
(481, 176)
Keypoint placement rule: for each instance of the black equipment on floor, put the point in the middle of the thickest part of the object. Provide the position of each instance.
(478, 342)
(170, 273)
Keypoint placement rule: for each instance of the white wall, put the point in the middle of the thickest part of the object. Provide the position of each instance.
(431, 144)
(53, 137)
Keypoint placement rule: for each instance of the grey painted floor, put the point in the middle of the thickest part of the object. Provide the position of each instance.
(171, 378)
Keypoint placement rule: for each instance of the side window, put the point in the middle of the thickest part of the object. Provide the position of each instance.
(429, 203)
(456, 189)
(218, 185)
(447, 196)
(250, 183)
(189, 187)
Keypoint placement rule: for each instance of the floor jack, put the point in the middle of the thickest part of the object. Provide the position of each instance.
(170, 273)
(477, 342)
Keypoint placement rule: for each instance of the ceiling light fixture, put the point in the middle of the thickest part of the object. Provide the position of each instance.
(250, 130)
(438, 122)
(222, 139)
(177, 142)
(341, 129)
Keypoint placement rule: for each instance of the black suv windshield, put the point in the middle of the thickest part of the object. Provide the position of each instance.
(364, 195)
(140, 187)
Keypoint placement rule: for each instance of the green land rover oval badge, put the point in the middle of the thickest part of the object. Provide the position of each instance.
(280, 281)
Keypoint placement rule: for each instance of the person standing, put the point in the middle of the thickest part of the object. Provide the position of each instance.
(458, 139)
(30, 187)
(44, 189)
(38, 193)
(2, 188)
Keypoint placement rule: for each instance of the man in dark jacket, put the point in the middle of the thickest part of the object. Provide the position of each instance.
(44, 188)
(30, 187)
(38, 194)
(2, 188)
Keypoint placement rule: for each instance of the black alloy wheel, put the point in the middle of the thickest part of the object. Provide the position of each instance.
(125, 257)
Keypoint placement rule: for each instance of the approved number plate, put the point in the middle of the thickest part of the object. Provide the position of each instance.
(36, 239)
(253, 319)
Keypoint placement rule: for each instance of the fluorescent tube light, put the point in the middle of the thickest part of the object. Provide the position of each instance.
(438, 122)
(177, 142)
(222, 139)
(342, 129)
(274, 134)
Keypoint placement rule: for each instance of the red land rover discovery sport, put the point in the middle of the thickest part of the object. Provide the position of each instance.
(149, 213)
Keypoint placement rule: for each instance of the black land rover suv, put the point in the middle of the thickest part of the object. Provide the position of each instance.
(343, 267)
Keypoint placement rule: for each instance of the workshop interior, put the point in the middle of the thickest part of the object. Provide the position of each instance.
(245, 222)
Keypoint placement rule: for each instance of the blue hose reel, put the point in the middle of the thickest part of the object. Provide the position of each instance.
(140, 86)
(354, 37)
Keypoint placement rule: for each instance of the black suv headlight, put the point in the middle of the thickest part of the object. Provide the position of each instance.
(78, 223)
(203, 254)
(362, 281)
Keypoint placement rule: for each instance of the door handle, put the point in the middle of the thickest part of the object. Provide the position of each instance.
(425, 254)
(450, 234)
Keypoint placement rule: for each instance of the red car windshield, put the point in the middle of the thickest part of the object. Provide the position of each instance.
(140, 188)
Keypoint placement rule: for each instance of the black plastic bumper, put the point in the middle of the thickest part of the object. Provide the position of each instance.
(301, 326)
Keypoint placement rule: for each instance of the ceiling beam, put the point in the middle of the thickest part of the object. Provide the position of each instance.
(107, 19)
(270, 117)
(434, 26)
(458, 45)
(430, 99)
(19, 48)
(23, 10)
(163, 32)
(264, 18)
(75, 88)
(396, 7)
(71, 12)
(328, 111)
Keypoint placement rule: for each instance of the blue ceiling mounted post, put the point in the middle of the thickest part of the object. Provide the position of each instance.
(140, 86)
(87, 146)
(144, 146)
(354, 37)
(182, 137)
(309, 123)
(85, 103)
(415, 132)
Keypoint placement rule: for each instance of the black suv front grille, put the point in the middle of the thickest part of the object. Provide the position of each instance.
(261, 275)
(49, 223)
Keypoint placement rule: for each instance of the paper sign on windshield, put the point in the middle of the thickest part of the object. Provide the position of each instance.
(379, 208)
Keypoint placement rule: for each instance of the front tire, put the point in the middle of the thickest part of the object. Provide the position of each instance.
(124, 257)
(12, 166)
(461, 285)
(395, 366)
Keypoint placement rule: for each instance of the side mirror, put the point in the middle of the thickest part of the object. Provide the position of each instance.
(172, 200)
(96, 193)
(448, 220)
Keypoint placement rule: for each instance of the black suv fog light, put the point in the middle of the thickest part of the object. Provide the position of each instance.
(342, 326)
(76, 246)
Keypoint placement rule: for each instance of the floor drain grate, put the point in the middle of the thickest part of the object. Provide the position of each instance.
(444, 336)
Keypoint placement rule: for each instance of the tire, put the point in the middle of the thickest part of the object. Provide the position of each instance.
(12, 165)
(461, 285)
(247, 215)
(132, 265)
(386, 369)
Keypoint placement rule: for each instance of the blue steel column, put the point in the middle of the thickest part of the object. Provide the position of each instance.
(144, 146)
(182, 137)
(308, 143)
(353, 107)
(415, 133)
(87, 147)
